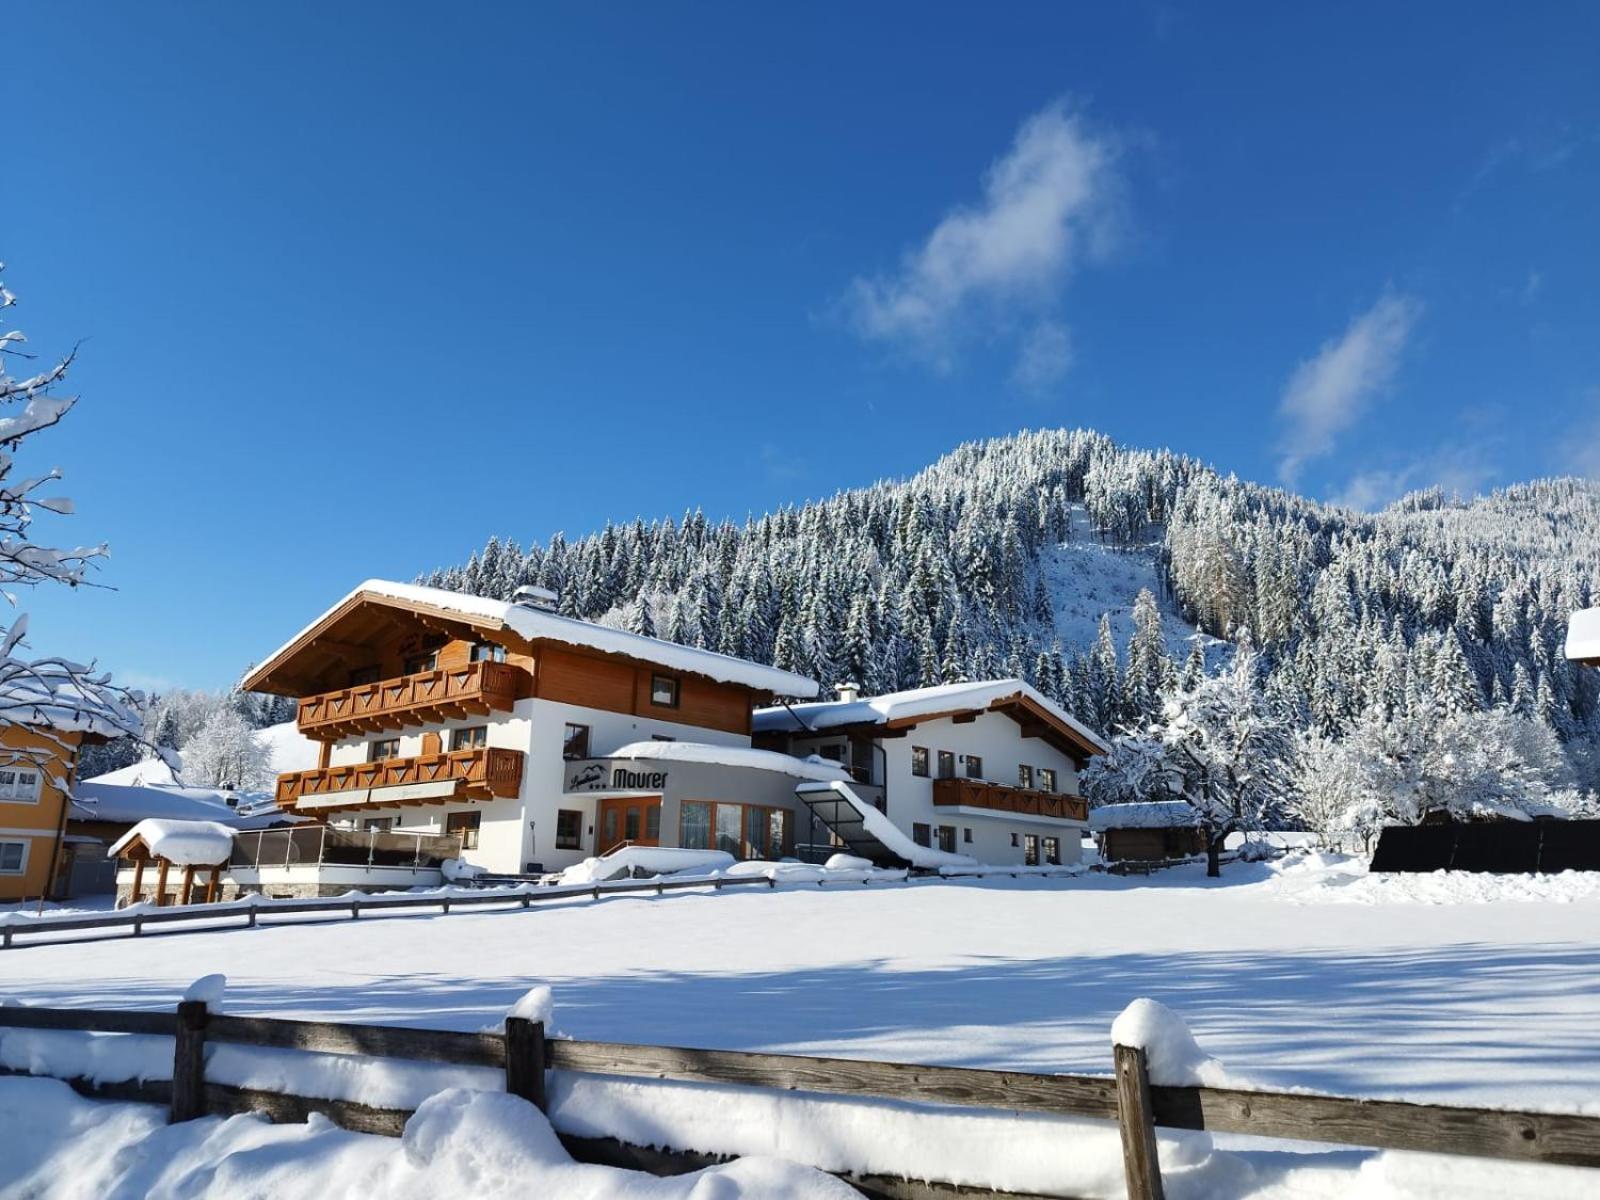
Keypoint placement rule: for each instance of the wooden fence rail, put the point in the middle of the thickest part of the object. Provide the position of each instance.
(525, 1055)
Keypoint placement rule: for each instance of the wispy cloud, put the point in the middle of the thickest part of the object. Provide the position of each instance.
(1583, 445)
(997, 266)
(1044, 358)
(1328, 394)
(1456, 470)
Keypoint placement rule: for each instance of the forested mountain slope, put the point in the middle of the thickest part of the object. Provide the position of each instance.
(998, 558)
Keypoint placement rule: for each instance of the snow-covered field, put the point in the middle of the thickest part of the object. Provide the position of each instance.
(1305, 973)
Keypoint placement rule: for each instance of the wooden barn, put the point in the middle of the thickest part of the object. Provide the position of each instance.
(1147, 832)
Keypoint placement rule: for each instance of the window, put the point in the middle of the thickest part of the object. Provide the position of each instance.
(664, 691)
(1013, 839)
(1052, 851)
(947, 765)
(378, 824)
(363, 675)
(487, 652)
(418, 663)
(13, 858)
(730, 829)
(466, 824)
(947, 838)
(382, 749)
(966, 835)
(919, 761)
(695, 826)
(921, 834)
(20, 784)
(1030, 850)
(974, 767)
(1024, 776)
(1047, 779)
(575, 741)
(472, 738)
(832, 752)
(569, 829)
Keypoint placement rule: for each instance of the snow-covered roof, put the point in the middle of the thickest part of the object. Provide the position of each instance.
(127, 804)
(811, 767)
(942, 700)
(1583, 635)
(1151, 814)
(536, 624)
(186, 843)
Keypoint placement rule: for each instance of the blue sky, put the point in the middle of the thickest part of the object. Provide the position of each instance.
(361, 284)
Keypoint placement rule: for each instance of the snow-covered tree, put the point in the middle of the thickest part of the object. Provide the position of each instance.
(50, 693)
(226, 753)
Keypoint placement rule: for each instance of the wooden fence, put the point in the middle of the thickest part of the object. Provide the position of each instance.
(525, 1055)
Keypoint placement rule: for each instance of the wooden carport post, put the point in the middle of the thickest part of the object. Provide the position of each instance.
(161, 884)
(188, 885)
(138, 881)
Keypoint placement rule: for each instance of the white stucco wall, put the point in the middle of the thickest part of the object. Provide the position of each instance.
(997, 740)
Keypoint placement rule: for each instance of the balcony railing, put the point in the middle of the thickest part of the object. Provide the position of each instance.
(487, 773)
(1026, 802)
(311, 845)
(426, 698)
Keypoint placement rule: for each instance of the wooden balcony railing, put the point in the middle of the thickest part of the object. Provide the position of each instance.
(974, 793)
(443, 694)
(487, 773)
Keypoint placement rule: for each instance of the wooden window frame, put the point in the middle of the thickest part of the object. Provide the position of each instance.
(470, 829)
(473, 730)
(486, 652)
(567, 738)
(22, 864)
(674, 686)
(575, 841)
(372, 749)
(946, 758)
(922, 752)
(1025, 776)
(411, 666)
(1047, 779)
(974, 765)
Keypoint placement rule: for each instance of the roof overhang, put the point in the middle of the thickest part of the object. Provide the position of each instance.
(346, 627)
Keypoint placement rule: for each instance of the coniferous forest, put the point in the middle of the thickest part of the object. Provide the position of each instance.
(1369, 644)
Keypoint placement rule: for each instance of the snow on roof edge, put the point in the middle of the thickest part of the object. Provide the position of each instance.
(1583, 635)
(539, 625)
(186, 843)
(812, 767)
(914, 702)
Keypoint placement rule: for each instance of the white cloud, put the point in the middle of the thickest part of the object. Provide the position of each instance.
(1582, 455)
(1328, 394)
(1044, 358)
(1463, 471)
(1048, 203)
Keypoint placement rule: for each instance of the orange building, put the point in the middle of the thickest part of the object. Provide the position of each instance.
(37, 762)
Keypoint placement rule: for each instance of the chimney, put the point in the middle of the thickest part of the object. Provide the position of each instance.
(847, 692)
(529, 596)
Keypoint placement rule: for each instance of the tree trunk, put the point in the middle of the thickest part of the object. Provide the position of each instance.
(1214, 856)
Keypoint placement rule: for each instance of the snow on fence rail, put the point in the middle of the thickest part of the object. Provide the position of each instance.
(525, 1055)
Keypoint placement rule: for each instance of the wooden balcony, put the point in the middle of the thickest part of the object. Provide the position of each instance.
(427, 698)
(997, 797)
(487, 773)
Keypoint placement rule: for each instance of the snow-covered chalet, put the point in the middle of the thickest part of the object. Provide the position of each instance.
(530, 741)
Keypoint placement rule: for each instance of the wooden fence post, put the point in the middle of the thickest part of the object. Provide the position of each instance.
(189, 1062)
(525, 1059)
(1137, 1122)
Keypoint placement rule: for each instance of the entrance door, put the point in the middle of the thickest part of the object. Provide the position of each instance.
(633, 819)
